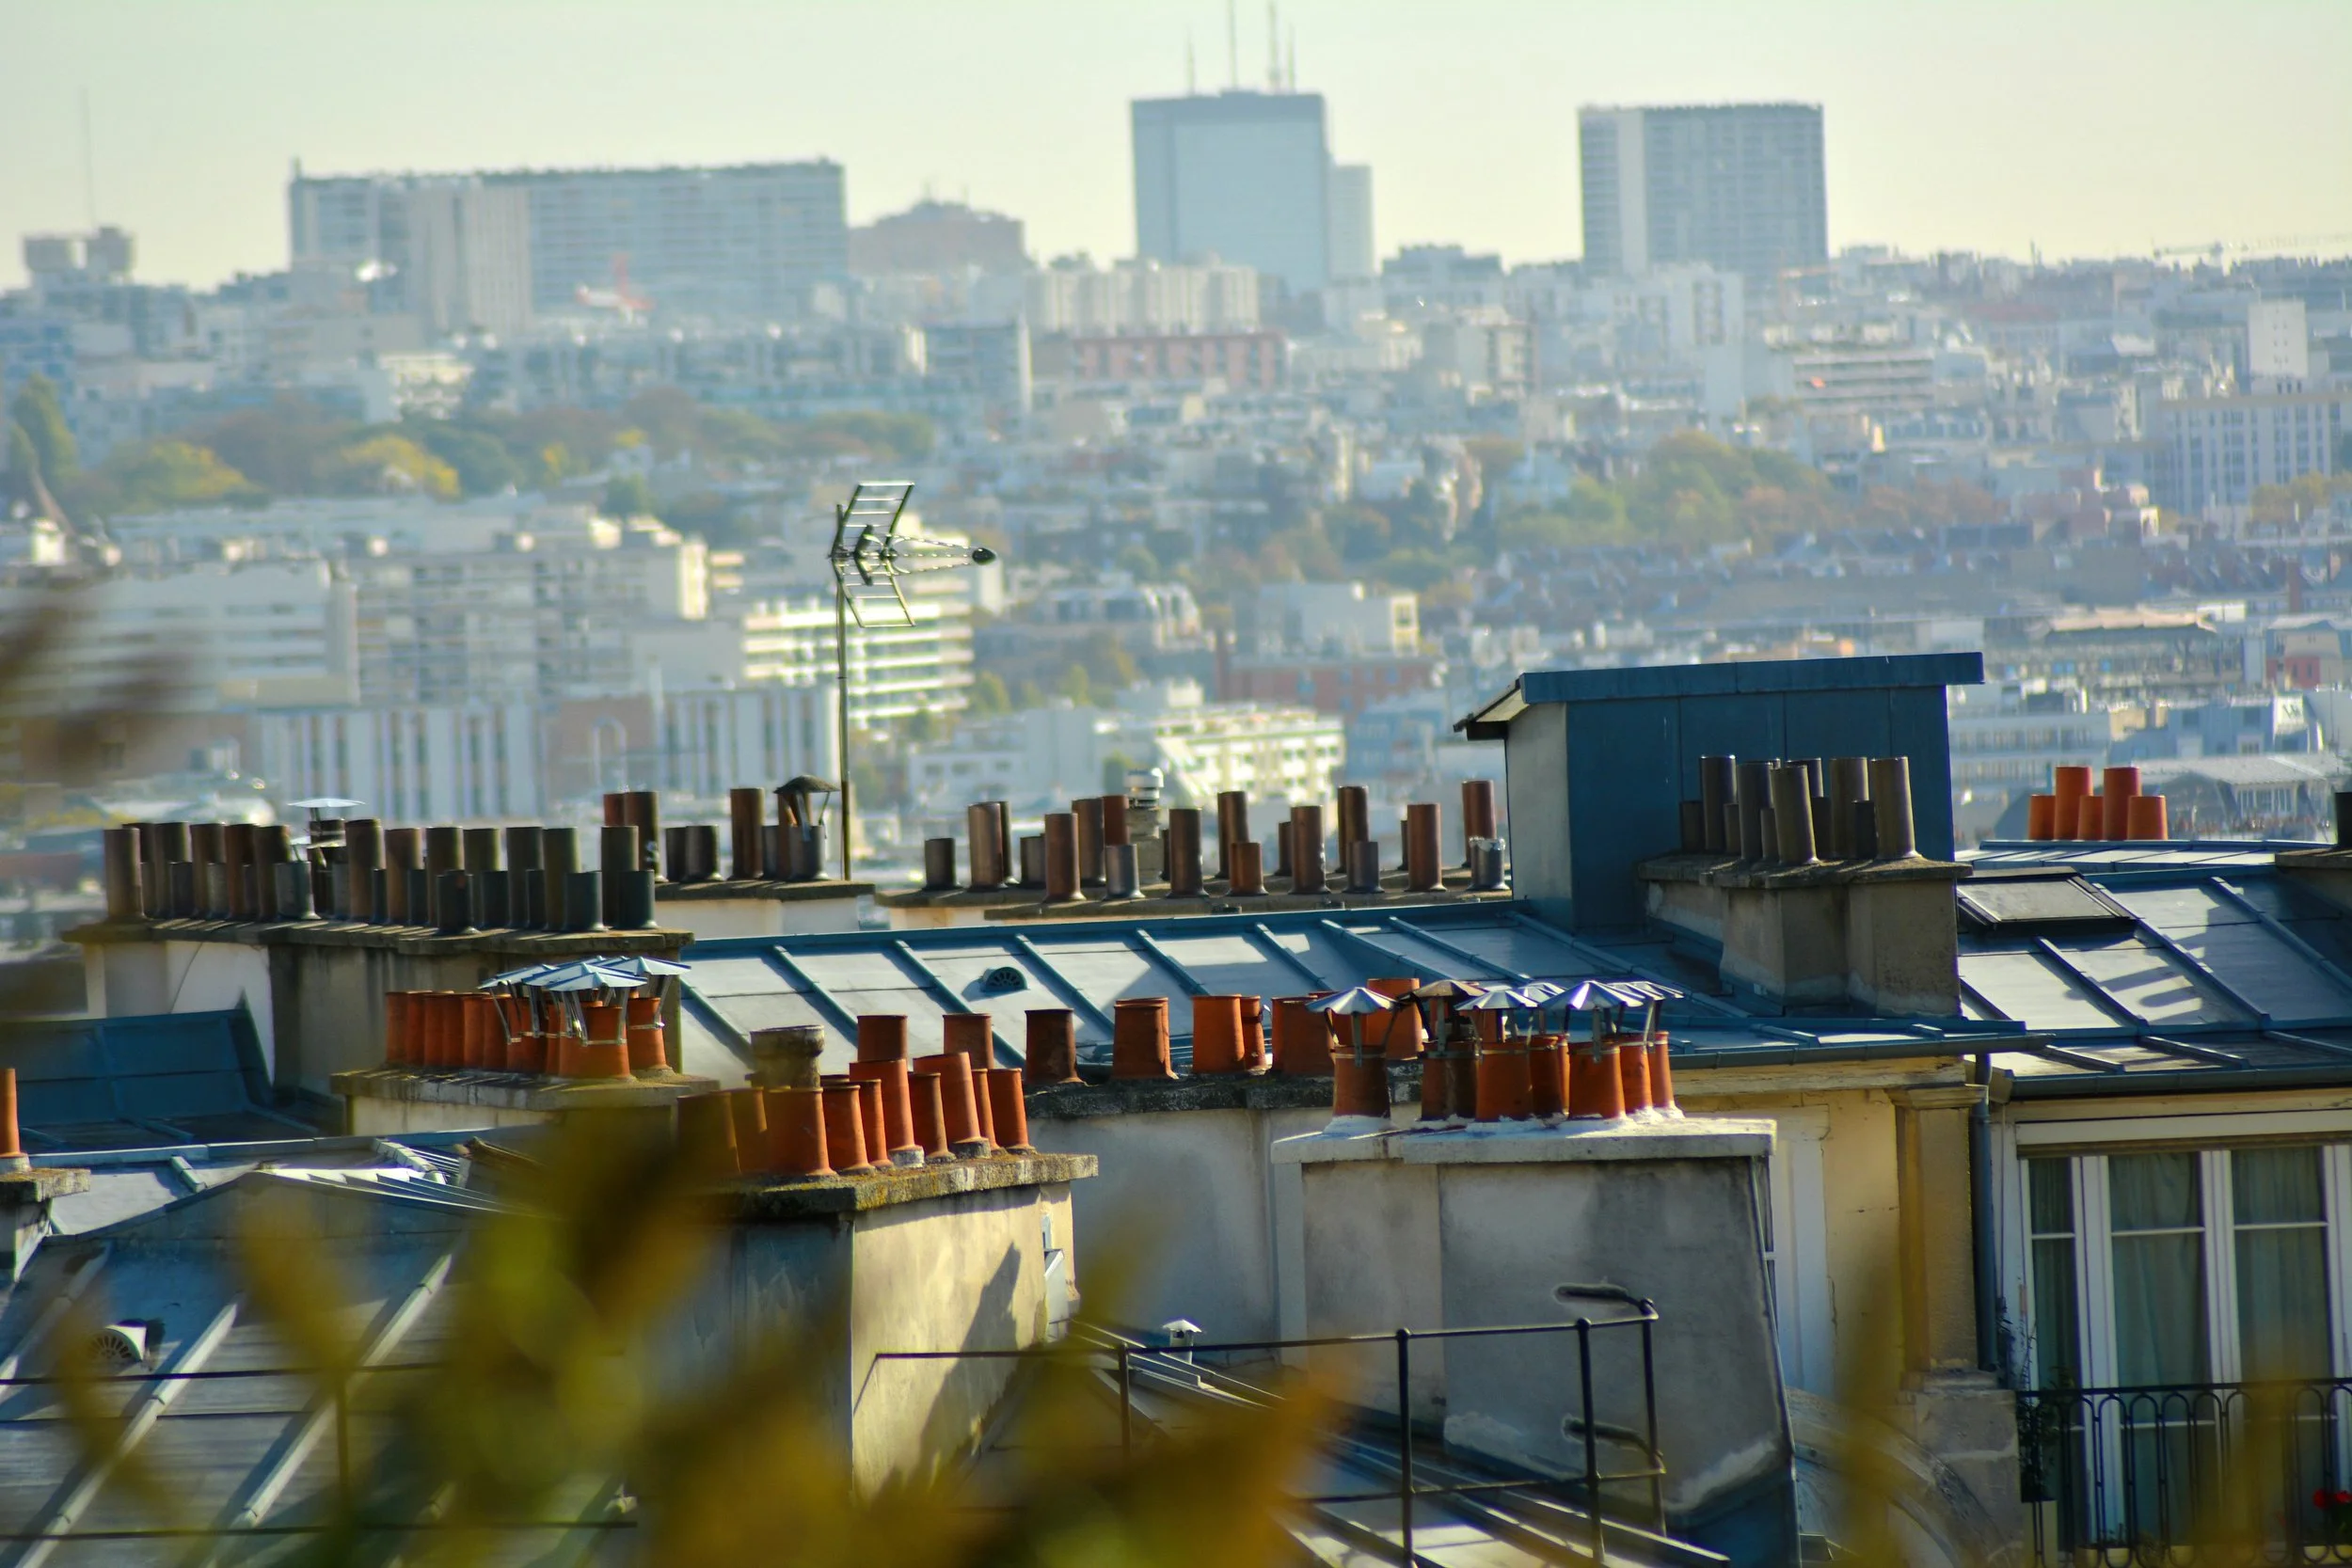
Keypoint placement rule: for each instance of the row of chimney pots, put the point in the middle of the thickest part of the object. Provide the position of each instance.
(452, 878)
(1802, 811)
(1091, 847)
(2116, 811)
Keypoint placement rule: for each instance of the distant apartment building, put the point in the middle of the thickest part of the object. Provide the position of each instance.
(1431, 280)
(744, 240)
(1205, 295)
(213, 635)
(712, 741)
(1739, 186)
(937, 237)
(1241, 175)
(457, 250)
(1343, 684)
(896, 669)
(1041, 757)
(2213, 453)
(469, 258)
(2277, 344)
(1336, 617)
(1236, 358)
(1870, 379)
(990, 358)
(472, 761)
(1354, 251)
(2004, 738)
(698, 743)
(540, 617)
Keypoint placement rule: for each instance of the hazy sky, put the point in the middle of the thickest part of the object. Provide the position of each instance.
(2085, 126)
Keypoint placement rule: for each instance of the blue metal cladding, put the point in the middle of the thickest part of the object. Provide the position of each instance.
(1580, 821)
(1624, 799)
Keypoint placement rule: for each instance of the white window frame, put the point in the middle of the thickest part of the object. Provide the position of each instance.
(1802, 1323)
(2095, 1254)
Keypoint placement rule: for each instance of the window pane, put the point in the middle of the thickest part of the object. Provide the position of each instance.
(2277, 1186)
(2282, 1301)
(2056, 1330)
(2160, 1308)
(2050, 1197)
(2159, 1278)
(2154, 1192)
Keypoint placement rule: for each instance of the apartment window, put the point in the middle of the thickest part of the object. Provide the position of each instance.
(2156, 1204)
(2050, 1237)
(2187, 1266)
(2279, 1213)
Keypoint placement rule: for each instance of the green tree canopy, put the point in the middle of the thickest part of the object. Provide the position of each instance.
(158, 475)
(36, 412)
(627, 496)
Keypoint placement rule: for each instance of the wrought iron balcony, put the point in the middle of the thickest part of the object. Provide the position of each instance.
(2188, 1474)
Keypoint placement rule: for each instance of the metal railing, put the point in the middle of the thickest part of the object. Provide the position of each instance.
(2188, 1474)
(329, 1399)
(1126, 1359)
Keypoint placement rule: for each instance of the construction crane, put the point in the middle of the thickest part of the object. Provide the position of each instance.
(2217, 249)
(627, 302)
(869, 558)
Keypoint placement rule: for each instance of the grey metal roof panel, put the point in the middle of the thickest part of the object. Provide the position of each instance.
(1753, 675)
(2023, 987)
(2284, 983)
(2165, 855)
(2147, 981)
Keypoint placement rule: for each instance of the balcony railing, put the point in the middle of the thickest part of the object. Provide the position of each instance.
(2188, 1474)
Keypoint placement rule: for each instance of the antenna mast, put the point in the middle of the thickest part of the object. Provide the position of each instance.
(90, 164)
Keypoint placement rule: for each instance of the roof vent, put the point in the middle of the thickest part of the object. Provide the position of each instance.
(124, 1344)
(2024, 902)
(1003, 978)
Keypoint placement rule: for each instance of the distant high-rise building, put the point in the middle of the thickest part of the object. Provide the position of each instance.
(457, 250)
(745, 240)
(938, 236)
(1738, 186)
(2277, 344)
(468, 256)
(1352, 251)
(1244, 175)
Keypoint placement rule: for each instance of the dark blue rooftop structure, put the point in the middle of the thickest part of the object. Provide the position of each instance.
(135, 1083)
(1598, 760)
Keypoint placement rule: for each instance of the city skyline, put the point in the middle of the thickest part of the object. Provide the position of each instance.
(2169, 163)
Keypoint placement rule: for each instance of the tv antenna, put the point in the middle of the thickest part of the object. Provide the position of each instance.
(870, 558)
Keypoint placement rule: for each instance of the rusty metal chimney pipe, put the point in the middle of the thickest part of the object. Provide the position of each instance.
(1478, 814)
(1182, 844)
(1425, 847)
(1792, 816)
(1890, 801)
(980, 831)
(1352, 818)
(1232, 825)
(122, 854)
(747, 810)
(1718, 788)
(1089, 813)
(1307, 849)
(1061, 857)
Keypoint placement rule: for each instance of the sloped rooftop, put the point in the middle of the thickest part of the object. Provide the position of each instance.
(2086, 969)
